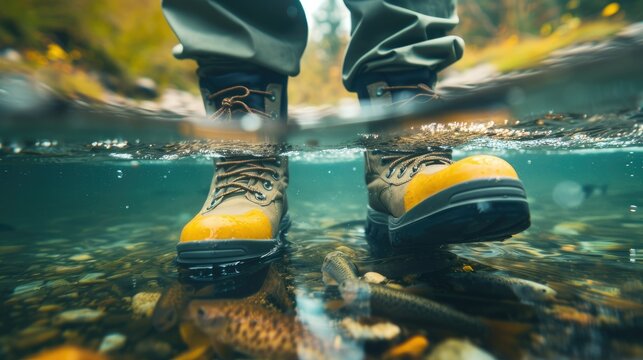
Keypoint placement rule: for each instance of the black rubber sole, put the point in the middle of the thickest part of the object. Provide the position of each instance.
(479, 210)
(215, 252)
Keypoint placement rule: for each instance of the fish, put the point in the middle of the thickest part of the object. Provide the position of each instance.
(338, 267)
(254, 330)
(402, 306)
(500, 286)
(401, 265)
(170, 306)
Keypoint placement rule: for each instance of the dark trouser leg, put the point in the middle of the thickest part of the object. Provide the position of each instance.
(400, 36)
(224, 36)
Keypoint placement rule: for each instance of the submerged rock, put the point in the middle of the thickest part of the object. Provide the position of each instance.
(49, 308)
(569, 228)
(458, 349)
(26, 288)
(63, 269)
(79, 316)
(34, 338)
(81, 257)
(143, 303)
(377, 331)
(92, 278)
(58, 283)
(112, 342)
(374, 278)
(10, 249)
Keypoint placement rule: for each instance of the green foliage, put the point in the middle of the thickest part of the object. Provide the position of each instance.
(83, 46)
(120, 39)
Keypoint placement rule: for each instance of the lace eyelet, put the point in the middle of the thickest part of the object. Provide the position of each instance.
(275, 175)
(390, 172)
(212, 205)
(260, 196)
(272, 96)
(379, 91)
(402, 171)
(267, 185)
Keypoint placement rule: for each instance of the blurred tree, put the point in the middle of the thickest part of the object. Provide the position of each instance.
(320, 80)
(117, 41)
(329, 24)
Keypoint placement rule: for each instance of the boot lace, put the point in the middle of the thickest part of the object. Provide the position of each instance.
(414, 161)
(242, 172)
(228, 104)
(425, 93)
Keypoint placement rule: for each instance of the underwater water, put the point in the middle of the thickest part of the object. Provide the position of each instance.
(87, 244)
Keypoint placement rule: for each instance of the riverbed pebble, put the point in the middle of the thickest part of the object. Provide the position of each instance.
(143, 303)
(81, 257)
(374, 278)
(64, 269)
(79, 316)
(377, 331)
(112, 342)
(458, 349)
(92, 278)
(29, 287)
(36, 338)
(49, 308)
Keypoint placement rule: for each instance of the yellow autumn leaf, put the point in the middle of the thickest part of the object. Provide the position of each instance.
(610, 9)
(56, 53)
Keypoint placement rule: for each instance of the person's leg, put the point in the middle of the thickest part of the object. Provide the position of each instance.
(231, 36)
(423, 198)
(245, 51)
(240, 43)
(405, 39)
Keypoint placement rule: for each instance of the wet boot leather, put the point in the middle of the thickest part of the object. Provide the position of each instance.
(423, 198)
(244, 216)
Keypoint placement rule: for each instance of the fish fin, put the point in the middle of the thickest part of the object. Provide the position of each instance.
(222, 351)
(199, 353)
(192, 335)
(504, 337)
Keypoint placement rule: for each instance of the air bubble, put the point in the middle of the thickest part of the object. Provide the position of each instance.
(633, 208)
(119, 174)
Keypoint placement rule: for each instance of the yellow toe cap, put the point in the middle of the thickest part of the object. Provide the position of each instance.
(471, 168)
(253, 224)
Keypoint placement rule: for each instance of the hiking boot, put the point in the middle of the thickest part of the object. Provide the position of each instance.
(245, 214)
(423, 198)
(395, 90)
